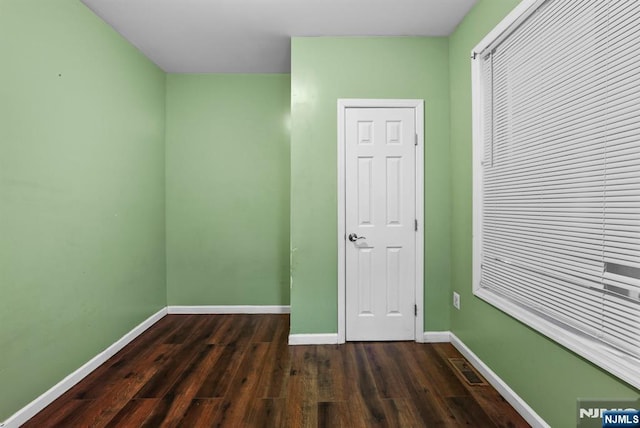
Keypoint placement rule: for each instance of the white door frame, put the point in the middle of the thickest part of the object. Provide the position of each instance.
(418, 106)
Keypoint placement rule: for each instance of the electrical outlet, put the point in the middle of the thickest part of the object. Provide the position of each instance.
(456, 300)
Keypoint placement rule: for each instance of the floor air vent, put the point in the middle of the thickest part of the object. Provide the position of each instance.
(465, 371)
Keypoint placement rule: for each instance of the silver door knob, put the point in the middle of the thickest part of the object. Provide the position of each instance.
(353, 237)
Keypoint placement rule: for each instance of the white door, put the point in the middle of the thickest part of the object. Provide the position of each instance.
(380, 215)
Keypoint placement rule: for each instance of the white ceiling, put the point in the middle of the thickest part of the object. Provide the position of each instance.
(253, 36)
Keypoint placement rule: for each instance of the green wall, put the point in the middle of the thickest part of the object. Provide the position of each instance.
(81, 192)
(228, 189)
(323, 70)
(82, 195)
(547, 376)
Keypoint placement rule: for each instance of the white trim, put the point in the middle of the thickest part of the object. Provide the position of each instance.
(313, 339)
(342, 204)
(599, 353)
(420, 216)
(501, 386)
(436, 337)
(477, 105)
(229, 309)
(418, 106)
(517, 15)
(31, 409)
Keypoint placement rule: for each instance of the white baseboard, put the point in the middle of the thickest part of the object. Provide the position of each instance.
(436, 337)
(31, 409)
(507, 393)
(313, 339)
(229, 309)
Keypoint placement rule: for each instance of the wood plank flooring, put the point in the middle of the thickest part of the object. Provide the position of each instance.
(238, 371)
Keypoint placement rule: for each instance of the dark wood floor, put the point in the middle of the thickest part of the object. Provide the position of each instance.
(238, 371)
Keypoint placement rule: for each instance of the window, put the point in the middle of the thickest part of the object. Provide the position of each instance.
(557, 175)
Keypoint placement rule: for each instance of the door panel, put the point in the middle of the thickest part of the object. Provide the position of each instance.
(380, 210)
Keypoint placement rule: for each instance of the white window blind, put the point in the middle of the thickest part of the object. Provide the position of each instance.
(560, 170)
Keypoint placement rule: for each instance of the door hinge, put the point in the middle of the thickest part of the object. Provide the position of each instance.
(416, 142)
(415, 225)
(415, 310)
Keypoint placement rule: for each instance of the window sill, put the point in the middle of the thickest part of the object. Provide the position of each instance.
(622, 365)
